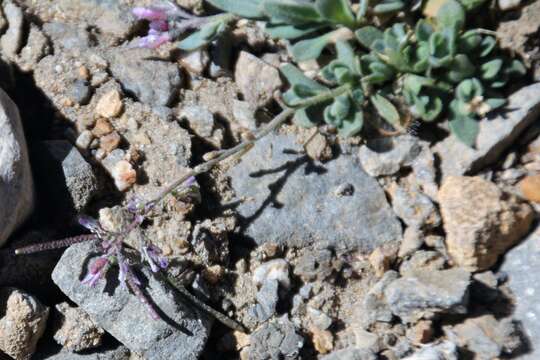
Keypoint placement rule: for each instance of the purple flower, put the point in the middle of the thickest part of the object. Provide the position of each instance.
(123, 271)
(152, 255)
(89, 223)
(160, 25)
(96, 271)
(154, 39)
(150, 13)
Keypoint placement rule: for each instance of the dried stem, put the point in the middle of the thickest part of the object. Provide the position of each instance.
(51, 245)
(248, 143)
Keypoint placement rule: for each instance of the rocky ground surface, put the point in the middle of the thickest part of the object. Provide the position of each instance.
(413, 247)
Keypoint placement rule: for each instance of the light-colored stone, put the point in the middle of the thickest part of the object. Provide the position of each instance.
(386, 156)
(495, 135)
(521, 265)
(485, 336)
(181, 334)
(124, 175)
(481, 221)
(256, 79)
(16, 186)
(22, 323)
(110, 104)
(277, 269)
(11, 41)
(422, 294)
(75, 331)
(294, 201)
(323, 340)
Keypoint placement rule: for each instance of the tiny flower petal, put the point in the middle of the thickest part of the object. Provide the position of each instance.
(154, 41)
(88, 222)
(190, 181)
(160, 25)
(152, 14)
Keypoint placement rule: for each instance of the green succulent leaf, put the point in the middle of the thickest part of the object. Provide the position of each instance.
(336, 11)
(310, 48)
(487, 45)
(490, 69)
(472, 4)
(367, 35)
(288, 32)
(460, 69)
(347, 56)
(388, 6)
(423, 30)
(469, 41)
(291, 12)
(202, 37)
(440, 54)
(243, 8)
(495, 103)
(469, 89)
(516, 68)
(451, 15)
(301, 86)
(352, 125)
(465, 128)
(386, 109)
(308, 117)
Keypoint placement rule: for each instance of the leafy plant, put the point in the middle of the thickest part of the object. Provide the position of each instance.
(422, 68)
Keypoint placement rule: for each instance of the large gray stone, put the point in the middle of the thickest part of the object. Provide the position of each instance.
(152, 82)
(181, 335)
(495, 135)
(293, 200)
(11, 41)
(73, 170)
(16, 187)
(521, 265)
(424, 294)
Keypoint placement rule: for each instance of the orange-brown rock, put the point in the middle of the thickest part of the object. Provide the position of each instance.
(481, 221)
(530, 188)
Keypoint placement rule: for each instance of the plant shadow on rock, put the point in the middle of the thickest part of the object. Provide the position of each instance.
(288, 168)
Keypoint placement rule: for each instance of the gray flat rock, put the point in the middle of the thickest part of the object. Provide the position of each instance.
(294, 201)
(521, 264)
(181, 335)
(496, 134)
(16, 185)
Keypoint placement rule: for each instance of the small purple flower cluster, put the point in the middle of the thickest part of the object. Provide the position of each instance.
(112, 247)
(158, 34)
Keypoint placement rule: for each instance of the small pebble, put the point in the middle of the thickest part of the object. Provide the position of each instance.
(102, 127)
(530, 188)
(84, 140)
(124, 175)
(110, 142)
(109, 105)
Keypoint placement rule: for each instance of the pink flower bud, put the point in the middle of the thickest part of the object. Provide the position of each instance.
(151, 13)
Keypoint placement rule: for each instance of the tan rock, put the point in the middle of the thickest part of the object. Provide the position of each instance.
(124, 175)
(480, 220)
(256, 79)
(318, 148)
(102, 127)
(323, 340)
(75, 330)
(22, 323)
(110, 142)
(530, 188)
(421, 332)
(381, 258)
(110, 104)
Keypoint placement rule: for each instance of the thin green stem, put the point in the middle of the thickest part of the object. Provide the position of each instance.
(247, 144)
